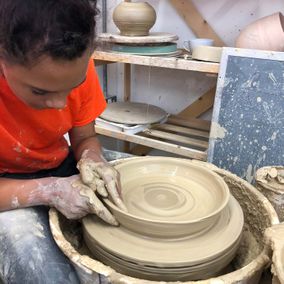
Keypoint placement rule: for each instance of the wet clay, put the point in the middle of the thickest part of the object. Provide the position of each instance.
(272, 177)
(171, 194)
(192, 257)
(170, 189)
(252, 256)
(169, 197)
(270, 182)
(275, 237)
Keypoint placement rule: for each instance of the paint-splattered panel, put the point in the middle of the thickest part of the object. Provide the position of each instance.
(247, 129)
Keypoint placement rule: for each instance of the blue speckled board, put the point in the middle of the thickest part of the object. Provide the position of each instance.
(247, 129)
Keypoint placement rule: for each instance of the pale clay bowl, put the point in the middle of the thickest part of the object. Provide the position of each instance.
(169, 197)
(134, 19)
(207, 53)
(266, 33)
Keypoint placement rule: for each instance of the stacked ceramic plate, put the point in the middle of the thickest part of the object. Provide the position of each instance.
(154, 44)
(152, 49)
(182, 223)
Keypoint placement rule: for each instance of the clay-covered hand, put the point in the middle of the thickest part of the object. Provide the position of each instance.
(102, 178)
(75, 199)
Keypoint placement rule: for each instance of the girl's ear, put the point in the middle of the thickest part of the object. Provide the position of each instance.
(2, 67)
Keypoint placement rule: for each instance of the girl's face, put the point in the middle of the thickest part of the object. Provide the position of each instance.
(47, 83)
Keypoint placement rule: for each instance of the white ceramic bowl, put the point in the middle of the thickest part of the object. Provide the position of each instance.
(207, 53)
(169, 197)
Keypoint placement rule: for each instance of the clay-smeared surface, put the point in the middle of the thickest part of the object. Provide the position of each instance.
(275, 236)
(248, 108)
(270, 181)
(272, 177)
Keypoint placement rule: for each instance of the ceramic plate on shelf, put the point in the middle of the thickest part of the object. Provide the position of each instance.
(133, 113)
(165, 54)
(146, 49)
(161, 49)
(129, 129)
(154, 37)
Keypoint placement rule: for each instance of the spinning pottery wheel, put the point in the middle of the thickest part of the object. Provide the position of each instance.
(247, 266)
(182, 223)
(166, 259)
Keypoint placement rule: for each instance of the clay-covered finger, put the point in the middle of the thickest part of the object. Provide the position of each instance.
(86, 173)
(92, 186)
(110, 177)
(93, 165)
(100, 186)
(120, 200)
(120, 204)
(97, 207)
(111, 185)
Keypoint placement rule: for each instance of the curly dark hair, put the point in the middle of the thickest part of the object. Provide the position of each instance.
(61, 29)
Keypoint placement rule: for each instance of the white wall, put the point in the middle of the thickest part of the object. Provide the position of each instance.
(171, 89)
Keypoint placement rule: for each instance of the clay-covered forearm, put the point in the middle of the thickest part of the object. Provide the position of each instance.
(85, 143)
(15, 193)
(89, 148)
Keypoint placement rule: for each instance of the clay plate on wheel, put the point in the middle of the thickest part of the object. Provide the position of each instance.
(196, 272)
(159, 252)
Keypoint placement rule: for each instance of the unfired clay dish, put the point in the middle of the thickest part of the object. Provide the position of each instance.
(168, 253)
(133, 113)
(169, 197)
(207, 53)
(167, 274)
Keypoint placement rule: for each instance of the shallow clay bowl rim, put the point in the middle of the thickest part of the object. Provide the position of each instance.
(216, 212)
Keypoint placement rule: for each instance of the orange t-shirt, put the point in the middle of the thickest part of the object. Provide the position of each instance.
(32, 140)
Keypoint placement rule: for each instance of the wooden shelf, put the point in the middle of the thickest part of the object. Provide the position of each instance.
(157, 61)
(184, 137)
(188, 138)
